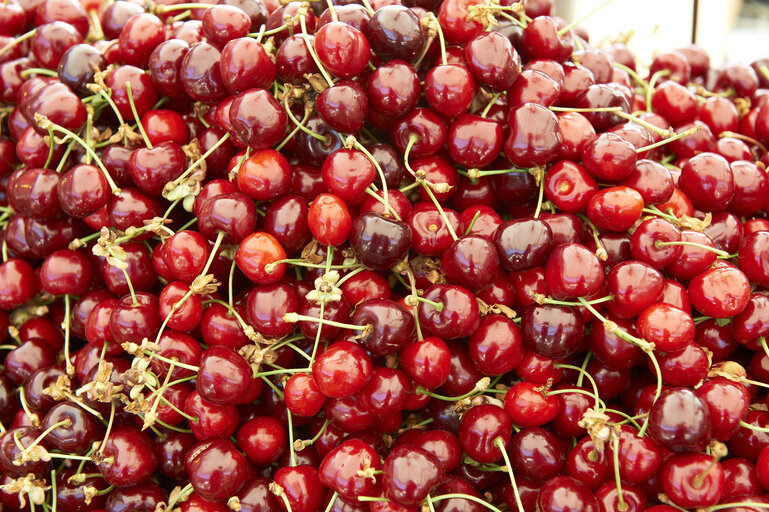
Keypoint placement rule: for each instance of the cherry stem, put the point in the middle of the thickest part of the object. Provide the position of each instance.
(45, 123)
(130, 286)
(622, 506)
(18, 40)
(745, 138)
(600, 251)
(33, 418)
(331, 9)
(442, 213)
(203, 158)
(747, 504)
(311, 49)
(300, 124)
(453, 496)
(162, 9)
(567, 28)
(472, 222)
(700, 478)
(297, 126)
(37, 71)
(234, 172)
(490, 104)
(414, 312)
(659, 213)
(335, 495)
(437, 305)
(649, 126)
(181, 496)
(109, 428)
(136, 115)
(441, 40)
(292, 453)
(548, 300)
(626, 416)
(540, 197)
(70, 368)
(686, 133)
(721, 254)
(296, 317)
(322, 312)
(63, 423)
(652, 82)
(385, 196)
(479, 387)
(270, 267)
(500, 443)
(635, 76)
(232, 311)
(584, 373)
(348, 276)
(111, 103)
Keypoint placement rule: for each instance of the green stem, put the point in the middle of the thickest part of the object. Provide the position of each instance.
(500, 443)
(136, 115)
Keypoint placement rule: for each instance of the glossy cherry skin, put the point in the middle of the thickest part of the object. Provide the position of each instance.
(427, 362)
(569, 186)
(66, 272)
(263, 439)
(457, 318)
(493, 60)
(496, 346)
(449, 89)
(133, 459)
(528, 406)
(186, 316)
(344, 106)
(390, 325)
(563, 493)
(213, 420)
(523, 243)
(77, 437)
(216, 469)
(200, 73)
(534, 138)
(752, 257)
(33, 193)
(708, 181)
(680, 421)
(690, 481)
(470, 261)
(719, 292)
(341, 466)
(409, 474)
(572, 270)
(394, 32)
(393, 89)
(142, 89)
(668, 327)
(727, 402)
(342, 48)
(329, 220)
(302, 487)
(535, 453)
(262, 130)
(635, 287)
(224, 376)
(553, 331)
(342, 370)
(255, 252)
(479, 429)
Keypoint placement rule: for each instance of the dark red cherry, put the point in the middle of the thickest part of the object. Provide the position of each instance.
(344, 469)
(257, 118)
(680, 421)
(344, 106)
(534, 138)
(523, 243)
(553, 331)
(470, 261)
(200, 73)
(394, 32)
(224, 377)
(393, 89)
(129, 457)
(493, 60)
(216, 469)
(409, 474)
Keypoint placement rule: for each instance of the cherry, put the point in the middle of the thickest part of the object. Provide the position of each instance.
(212, 420)
(216, 469)
(51, 40)
(342, 370)
(523, 243)
(27, 358)
(345, 468)
(449, 89)
(66, 272)
(224, 377)
(587, 464)
(569, 186)
(572, 270)
(75, 438)
(719, 292)
(470, 261)
(389, 326)
(129, 457)
(451, 313)
(394, 32)
(679, 421)
(752, 257)
(552, 331)
(143, 92)
(427, 362)
(200, 74)
(263, 439)
(566, 493)
(496, 346)
(257, 131)
(301, 486)
(426, 126)
(534, 138)
(393, 89)
(329, 220)
(33, 193)
(256, 496)
(409, 474)
(693, 480)
(342, 48)
(257, 257)
(639, 457)
(344, 106)
(727, 403)
(668, 327)
(182, 318)
(529, 406)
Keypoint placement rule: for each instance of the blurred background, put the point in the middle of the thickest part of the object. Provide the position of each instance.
(732, 31)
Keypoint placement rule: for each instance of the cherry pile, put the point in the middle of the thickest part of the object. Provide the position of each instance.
(440, 256)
